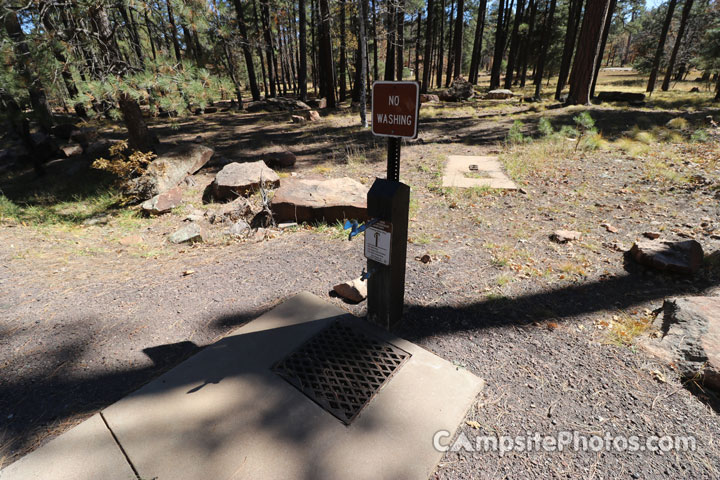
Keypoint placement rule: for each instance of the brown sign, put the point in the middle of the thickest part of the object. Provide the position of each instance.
(395, 107)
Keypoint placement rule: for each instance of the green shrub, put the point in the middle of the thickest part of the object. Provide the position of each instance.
(515, 135)
(545, 127)
(699, 136)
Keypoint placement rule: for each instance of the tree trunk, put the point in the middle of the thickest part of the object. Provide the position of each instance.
(254, 91)
(427, 51)
(173, 31)
(499, 48)
(400, 39)
(326, 59)
(661, 46)
(440, 44)
(342, 74)
(678, 40)
(449, 68)
(376, 74)
(717, 90)
(38, 98)
(265, 14)
(544, 46)
(362, 46)
(134, 37)
(459, 38)
(390, 50)
(603, 43)
(587, 53)
(574, 11)
(477, 43)
(528, 46)
(417, 45)
(302, 73)
(514, 43)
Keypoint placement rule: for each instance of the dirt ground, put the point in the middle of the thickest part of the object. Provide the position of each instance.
(88, 313)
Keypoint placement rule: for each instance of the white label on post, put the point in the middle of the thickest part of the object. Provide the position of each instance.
(378, 239)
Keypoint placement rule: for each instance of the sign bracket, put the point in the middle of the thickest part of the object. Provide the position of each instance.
(393, 158)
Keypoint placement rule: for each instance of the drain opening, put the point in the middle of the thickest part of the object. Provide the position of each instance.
(341, 369)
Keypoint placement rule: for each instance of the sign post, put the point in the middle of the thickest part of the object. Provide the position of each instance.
(395, 107)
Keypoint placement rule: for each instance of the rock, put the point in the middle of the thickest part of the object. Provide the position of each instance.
(242, 179)
(564, 236)
(280, 158)
(695, 90)
(620, 97)
(321, 103)
(354, 290)
(72, 150)
(691, 335)
(313, 116)
(237, 229)
(609, 227)
(651, 235)
(428, 97)
(168, 170)
(131, 240)
(163, 202)
(278, 104)
(63, 130)
(499, 94)
(44, 147)
(192, 233)
(190, 181)
(301, 200)
(193, 218)
(460, 89)
(298, 119)
(101, 219)
(285, 225)
(101, 148)
(678, 257)
(231, 212)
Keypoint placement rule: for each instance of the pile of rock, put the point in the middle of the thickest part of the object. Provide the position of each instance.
(278, 104)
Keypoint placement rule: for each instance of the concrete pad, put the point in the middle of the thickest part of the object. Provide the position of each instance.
(85, 452)
(488, 167)
(223, 414)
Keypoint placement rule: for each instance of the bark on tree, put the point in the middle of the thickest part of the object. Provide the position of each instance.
(587, 52)
(459, 38)
(362, 46)
(326, 59)
(603, 43)
(302, 73)
(173, 31)
(499, 47)
(527, 45)
(574, 11)
(265, 14)
(477, 43)
(376, 74)
(661, 46)
(427, 52)
(678, 40)
(38, 98)
(252, 81)
(440, 48)
(449, 68)
(544, 46)
(514, 43)
(418, 23)
(342, 75)
(400, 39)
(389, 74)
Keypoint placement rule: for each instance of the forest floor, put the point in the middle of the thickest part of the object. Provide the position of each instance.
(88, 313)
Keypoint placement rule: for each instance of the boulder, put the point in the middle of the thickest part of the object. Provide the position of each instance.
(163, 202)
(313, 116)
(231, 212)
(460, 90)
(242, 179)
(298, 119)
(278, 104)
(354, 291)
(191, 233)
(84, 135)
(237, 229)
(72, 150)
(301, 200)
(168, 170)
(279, 158)
(499, 94)
(691, 337)
(564, 236)
(428, 97)
(678, 257)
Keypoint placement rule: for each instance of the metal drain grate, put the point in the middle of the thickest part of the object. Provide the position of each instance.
(341, 369)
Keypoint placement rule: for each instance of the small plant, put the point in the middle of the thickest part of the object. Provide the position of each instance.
(700, 136)
(568, 132)
(515, 135)
(678, 123)
(545, 127)
(586, 124)
(122, 165)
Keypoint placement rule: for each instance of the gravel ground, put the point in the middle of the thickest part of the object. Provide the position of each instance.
(85, 319)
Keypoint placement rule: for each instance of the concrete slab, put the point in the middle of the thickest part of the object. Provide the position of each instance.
(223, 414)
(86, 452)
(489, 173)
